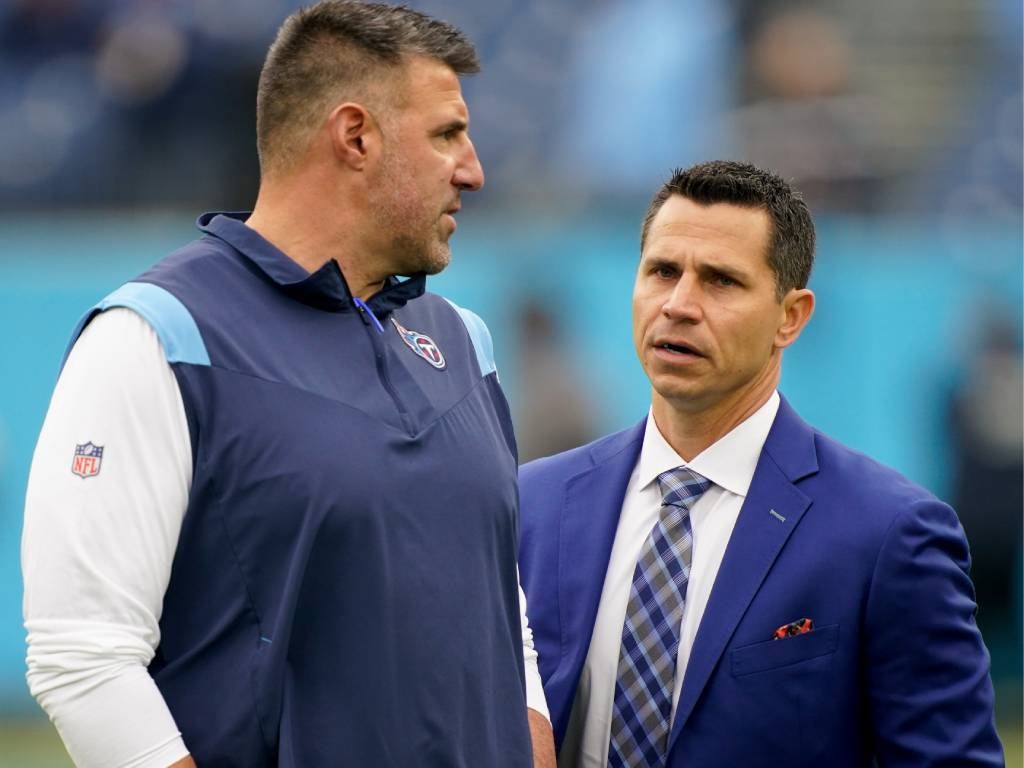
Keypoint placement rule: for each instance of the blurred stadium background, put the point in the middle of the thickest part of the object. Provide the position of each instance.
(120, 120)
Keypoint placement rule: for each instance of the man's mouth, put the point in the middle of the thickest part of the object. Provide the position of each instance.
(678, 348)
(449, 215)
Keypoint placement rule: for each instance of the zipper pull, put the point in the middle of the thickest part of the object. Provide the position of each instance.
(367, 312)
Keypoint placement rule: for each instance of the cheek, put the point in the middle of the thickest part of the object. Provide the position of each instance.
(439, 166)
(747, 341)
(641, 317)
(447, 169)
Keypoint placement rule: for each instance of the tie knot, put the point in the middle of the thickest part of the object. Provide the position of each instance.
(681, 487)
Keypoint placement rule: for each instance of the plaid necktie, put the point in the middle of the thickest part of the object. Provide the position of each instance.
(650, 634)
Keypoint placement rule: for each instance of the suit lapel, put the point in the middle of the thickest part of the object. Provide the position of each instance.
(591, 508)
(772, 510)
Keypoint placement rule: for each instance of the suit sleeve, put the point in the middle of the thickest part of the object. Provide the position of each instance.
(929, 692)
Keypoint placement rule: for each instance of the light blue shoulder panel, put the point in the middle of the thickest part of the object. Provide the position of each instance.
(174, 326)
(481, 339)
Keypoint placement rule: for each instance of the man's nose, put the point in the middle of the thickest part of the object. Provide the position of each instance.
(684, 301)
(469, 174)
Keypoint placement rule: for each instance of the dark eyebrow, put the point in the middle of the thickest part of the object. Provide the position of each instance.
(730, 272)
(657, 262)
(458, 124)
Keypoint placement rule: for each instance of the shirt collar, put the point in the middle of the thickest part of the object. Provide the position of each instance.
(325, 288)
(729, 462)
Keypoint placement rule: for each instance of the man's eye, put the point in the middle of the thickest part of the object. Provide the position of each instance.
(450, 134)
(665, 273)
(724, 280)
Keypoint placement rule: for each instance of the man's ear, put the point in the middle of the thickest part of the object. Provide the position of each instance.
(355, 134)
(797, 308)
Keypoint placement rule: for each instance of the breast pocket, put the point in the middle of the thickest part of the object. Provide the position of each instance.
(775, 654)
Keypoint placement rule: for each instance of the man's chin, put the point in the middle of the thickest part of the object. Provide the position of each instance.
(437, 261)
(423, 260)
(679, 395)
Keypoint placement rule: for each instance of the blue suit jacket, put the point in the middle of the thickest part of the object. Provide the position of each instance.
(894, 669)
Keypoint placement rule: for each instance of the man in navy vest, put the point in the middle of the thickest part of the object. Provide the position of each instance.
(722, 584)
(272, 515)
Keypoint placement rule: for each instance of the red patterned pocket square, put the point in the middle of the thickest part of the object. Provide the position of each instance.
(800, 627)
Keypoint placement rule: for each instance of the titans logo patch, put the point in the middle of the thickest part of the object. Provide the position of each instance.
(421, 344)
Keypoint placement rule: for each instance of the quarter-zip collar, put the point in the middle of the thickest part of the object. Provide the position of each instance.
(325, 288)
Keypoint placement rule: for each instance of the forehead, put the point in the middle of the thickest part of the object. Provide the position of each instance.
(682, 223)
(432, 86)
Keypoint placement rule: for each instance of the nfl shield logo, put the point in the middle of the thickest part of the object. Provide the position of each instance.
(87, 460)
(421, 344)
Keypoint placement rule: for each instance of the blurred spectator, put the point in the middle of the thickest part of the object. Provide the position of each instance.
(103, 102)
(555, 410)
(804, 119)
(981, 175)
(986, 419)
(861, 102)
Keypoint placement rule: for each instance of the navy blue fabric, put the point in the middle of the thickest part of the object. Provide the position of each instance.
(893, 671)
(344, 591)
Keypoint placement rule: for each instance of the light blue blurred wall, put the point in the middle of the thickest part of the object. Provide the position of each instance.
(897, 308)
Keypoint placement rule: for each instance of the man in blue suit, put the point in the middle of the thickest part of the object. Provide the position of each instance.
(722, 585)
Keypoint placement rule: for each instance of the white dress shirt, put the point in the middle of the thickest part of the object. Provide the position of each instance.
(96, 556)
(729, 464)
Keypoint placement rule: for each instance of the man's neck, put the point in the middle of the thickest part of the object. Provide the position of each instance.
(310, 233)
(690, 431)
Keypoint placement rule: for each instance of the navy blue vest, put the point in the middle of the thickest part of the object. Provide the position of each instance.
(344, 590)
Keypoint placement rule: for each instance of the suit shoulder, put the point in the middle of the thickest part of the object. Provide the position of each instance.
(562, 466)
(864, 483)
(558, 466)
(874, 477)
(870, 512)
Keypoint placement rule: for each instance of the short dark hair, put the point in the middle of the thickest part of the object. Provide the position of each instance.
(335, 50)
(791, 246)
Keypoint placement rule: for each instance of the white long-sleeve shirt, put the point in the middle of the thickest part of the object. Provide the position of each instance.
(96, 557)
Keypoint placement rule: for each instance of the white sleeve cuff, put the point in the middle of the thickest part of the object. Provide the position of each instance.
(131, 702)
(535, 699)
